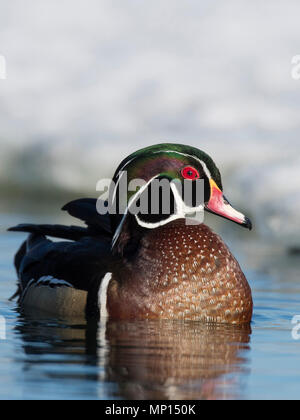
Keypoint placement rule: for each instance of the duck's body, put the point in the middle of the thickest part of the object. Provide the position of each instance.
(133, 266)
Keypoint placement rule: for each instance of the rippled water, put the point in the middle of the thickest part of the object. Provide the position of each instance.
(54, 359)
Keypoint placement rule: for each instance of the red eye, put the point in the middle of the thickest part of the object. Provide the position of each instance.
(190, 173)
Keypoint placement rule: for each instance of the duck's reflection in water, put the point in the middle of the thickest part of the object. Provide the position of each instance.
(176, 360)
(138, 360)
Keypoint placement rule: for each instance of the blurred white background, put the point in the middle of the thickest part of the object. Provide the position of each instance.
(88, 82)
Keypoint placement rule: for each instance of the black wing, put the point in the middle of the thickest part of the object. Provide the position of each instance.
(83, 209)
(82, 264)
(86, 209)
(78, 263)
(73, 233)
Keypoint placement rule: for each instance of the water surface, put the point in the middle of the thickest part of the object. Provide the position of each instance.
(46, 358)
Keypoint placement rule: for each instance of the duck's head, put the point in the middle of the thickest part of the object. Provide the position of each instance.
(171, 162)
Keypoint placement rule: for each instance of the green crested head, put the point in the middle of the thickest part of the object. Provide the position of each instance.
(168, 159)
(175, 163)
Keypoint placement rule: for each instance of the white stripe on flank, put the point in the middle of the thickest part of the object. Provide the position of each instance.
(102, 296)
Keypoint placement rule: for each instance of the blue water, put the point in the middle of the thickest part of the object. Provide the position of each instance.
(43, 358)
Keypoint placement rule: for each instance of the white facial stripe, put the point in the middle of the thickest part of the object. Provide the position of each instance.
(182, 210)
(205, 168)
(157, 224)
(133, 198)
(180, 204)
(127, 163)
(102, 296)
(119, 177)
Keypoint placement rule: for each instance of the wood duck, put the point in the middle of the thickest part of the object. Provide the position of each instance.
(128, 265)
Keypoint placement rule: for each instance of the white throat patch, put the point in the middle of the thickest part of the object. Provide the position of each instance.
(182, 211)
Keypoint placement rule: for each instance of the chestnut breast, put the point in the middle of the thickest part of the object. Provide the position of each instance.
(181, 272)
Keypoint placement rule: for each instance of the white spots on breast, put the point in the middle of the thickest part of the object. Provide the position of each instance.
(195, 277)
